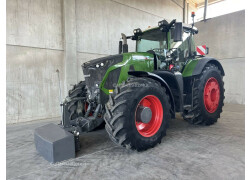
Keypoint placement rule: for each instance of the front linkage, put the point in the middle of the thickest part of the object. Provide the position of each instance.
(60, 142)
(80, 124)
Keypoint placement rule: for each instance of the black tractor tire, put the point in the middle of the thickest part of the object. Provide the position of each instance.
(76, 108)
(120, 113)
(200, 114)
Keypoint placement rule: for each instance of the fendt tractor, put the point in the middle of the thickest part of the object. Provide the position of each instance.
(136, 93)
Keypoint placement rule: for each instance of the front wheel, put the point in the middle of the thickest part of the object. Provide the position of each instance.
(137, 114)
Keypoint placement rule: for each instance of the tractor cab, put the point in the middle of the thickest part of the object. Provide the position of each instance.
(171, 43)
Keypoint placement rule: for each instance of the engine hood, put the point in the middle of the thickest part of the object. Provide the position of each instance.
(108, 60)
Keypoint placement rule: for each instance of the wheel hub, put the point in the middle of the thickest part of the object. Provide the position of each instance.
(144, 114)
(148, 116)
(211, 95)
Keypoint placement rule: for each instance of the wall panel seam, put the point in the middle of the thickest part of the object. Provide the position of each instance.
(35, 47)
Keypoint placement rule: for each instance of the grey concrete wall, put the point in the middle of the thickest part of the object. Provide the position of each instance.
(32, 85)
(34, 52)
(45, 35)
(70, 54)
(101, 22)
(225, 37)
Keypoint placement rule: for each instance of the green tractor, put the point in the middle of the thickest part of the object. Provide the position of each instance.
(136, 93)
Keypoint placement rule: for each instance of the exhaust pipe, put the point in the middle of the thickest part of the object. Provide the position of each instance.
(120, 47)
(125, 45)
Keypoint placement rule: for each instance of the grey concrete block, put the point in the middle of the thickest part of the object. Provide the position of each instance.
(54, 143)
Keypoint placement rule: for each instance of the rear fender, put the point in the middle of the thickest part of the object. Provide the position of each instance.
(202, 63)
(163, 83)
(195, 67)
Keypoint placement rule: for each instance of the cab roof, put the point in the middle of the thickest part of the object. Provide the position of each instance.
(186, 27)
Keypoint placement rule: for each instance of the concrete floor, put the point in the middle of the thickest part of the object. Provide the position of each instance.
(187, 152)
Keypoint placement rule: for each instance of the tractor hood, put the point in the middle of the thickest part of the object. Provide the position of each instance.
(108, 60)
(95, 70)
(139, 55)
(102, 74)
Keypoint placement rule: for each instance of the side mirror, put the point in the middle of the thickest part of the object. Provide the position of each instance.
(178, 29)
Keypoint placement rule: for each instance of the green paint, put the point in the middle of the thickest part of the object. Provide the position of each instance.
(141, 61)
(189, 68)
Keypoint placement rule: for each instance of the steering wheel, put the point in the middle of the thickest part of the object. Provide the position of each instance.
(158, 50)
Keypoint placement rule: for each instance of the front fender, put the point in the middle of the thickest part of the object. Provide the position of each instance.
(159, 79)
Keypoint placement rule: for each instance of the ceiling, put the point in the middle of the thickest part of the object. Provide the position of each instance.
(200, 3)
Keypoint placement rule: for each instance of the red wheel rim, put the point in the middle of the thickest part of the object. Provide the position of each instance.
(211, 95)
(151, 128)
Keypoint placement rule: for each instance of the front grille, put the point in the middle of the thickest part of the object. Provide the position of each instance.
(112, 79)
(93, 74)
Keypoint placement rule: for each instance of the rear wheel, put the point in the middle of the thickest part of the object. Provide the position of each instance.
(137, 114)
(208, 97)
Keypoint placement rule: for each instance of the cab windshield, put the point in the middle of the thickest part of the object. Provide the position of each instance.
(155, 40)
